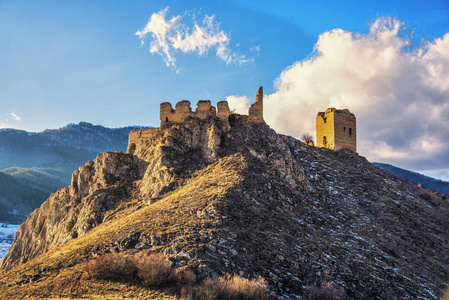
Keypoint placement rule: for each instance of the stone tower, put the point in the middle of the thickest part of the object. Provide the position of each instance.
(336, 129)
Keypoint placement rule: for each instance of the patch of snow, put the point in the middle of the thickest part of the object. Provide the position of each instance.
(7, 232)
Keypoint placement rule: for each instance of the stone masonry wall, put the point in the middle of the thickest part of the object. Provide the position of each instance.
(345, 131)
(325, 130)
(140, 135)
(336, 129)
(182, 111)
(255, 113)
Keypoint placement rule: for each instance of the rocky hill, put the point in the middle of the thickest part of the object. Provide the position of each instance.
(236, 197)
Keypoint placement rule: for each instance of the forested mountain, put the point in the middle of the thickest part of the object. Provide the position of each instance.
(433, 184)
(34, 165)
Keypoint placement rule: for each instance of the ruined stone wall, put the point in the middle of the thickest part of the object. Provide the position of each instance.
(255, 113)
(140, 135)
(325, 130)
(166, 113)
(182, 111)
(223, 111)
(345, 130)
(336, 129)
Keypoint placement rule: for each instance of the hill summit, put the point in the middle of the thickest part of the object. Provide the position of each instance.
(229, 195)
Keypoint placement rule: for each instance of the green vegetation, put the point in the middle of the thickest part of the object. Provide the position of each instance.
(25, 189)
(4, 215)
(48, 180)
(15, 194)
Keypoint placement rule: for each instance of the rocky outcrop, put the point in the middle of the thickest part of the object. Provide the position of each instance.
(242, 199)
(97, 188)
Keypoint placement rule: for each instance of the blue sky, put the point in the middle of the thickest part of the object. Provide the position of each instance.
(69, 61)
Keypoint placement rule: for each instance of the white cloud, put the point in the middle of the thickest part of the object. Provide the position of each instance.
(399, 96)
(170, 36)
(15, 117)
(238, 104)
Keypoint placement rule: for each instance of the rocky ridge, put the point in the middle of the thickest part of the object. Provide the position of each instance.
(236, 197)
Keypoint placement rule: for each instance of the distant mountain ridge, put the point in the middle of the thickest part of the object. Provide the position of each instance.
(35, 164)
(433, 184)
(20, 148)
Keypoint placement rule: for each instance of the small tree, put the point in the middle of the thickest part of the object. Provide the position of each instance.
(307, 138)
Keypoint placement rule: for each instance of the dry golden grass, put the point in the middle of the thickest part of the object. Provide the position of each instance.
(59, 272)
(228, 287)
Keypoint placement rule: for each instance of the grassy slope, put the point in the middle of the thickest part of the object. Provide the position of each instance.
(175, 214)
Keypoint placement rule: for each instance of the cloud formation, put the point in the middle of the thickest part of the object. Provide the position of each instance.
(173, 35)
(399, 93)
(238, 104)
(15, 117)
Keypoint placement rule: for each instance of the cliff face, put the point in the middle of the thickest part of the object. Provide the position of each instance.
(237, 197)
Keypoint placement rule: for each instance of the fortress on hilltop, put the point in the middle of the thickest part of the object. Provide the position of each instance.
(335, 128)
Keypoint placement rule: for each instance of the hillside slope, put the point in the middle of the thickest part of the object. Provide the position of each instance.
(238, 198)
(433, 184)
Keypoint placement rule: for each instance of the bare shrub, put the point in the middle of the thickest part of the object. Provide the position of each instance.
(111, 266)
(153, 270)
(425, 196)
(307, 138)
(228, 287)
(184, 277)
(156, 272)
(327, 291)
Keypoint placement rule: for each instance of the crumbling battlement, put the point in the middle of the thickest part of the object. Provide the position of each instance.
(255, 113)
(182, 111)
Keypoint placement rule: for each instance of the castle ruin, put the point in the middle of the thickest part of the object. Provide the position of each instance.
(336, 129)
(182, 111)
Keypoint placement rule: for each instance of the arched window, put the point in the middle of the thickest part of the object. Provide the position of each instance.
(350, 132)
(324, 142)
(344, 128)
(166, 119)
